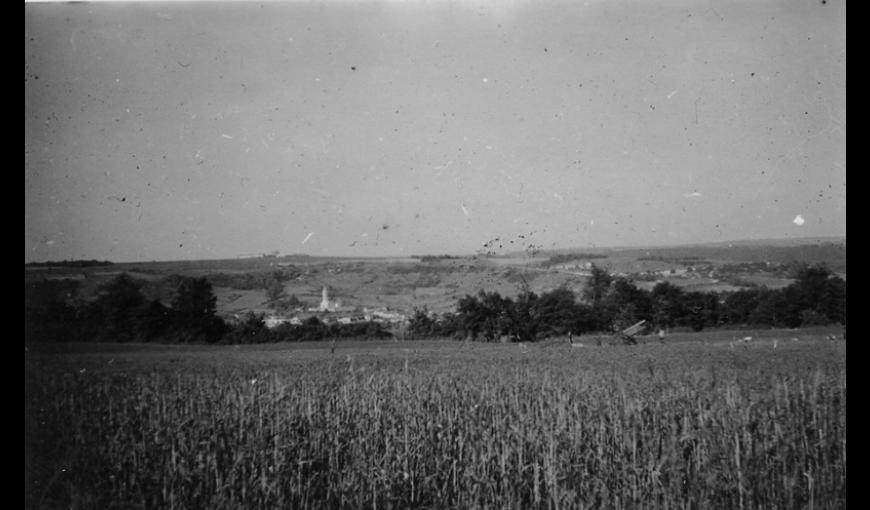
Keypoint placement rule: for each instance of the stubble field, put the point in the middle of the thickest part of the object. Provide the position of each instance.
(697, 422)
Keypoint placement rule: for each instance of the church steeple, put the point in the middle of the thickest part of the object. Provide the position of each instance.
(325, 304)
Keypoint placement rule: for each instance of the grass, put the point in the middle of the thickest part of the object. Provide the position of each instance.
(439, 424)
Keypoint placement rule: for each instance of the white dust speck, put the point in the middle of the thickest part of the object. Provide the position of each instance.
(307, 237)
(694, 194)
(464, 210)
(485, 79)
(228, 137)
(50, 242)
(798, 220)
(672, 94)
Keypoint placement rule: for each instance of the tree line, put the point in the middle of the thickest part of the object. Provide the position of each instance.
(121, 313)
(610, 304)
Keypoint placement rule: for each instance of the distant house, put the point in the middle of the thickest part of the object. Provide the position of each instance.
(273, 321)
(384, 315)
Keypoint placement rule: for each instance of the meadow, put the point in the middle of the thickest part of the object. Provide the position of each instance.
(700, 421)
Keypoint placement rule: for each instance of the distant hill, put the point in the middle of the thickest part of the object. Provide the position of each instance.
(775, 242)
(827, 250)
(437, 282)
(68, 263)
(809, 249)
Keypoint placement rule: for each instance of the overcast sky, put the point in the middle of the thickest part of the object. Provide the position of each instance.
(208, 130)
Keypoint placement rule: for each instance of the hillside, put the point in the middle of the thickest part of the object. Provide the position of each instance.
(437, 282)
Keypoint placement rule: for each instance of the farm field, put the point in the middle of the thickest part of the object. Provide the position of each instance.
(699, 422)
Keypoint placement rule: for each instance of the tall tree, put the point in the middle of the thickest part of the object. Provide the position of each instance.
(194, 307)
(194, 299)
(702, 309)
(819, 294)
(558, 312)
(421, 324)
(739, 306)
(275, 291)
(522, 316)
(667, 304)
(626, 304)
(484, 314)
(597, 286)
(48, 316)
(116, 313)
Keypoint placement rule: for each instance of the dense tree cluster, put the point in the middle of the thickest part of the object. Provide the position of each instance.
(609, 304)
(121, 313)
(47, 310)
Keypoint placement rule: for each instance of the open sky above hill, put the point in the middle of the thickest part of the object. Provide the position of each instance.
(207, 130)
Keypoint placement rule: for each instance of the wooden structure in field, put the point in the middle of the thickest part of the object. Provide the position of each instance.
(627, 335)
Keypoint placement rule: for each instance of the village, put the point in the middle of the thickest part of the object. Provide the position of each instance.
(333, 311)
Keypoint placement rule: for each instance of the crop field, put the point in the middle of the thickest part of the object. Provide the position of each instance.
(697, 422)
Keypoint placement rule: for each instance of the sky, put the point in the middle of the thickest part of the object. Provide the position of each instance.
(170, 130)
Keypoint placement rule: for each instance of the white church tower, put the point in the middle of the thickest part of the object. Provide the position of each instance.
(325, 304)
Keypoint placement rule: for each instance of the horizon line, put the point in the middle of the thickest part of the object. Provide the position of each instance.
(808, 239)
